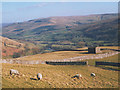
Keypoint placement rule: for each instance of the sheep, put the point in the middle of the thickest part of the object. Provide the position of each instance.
(39, 76)
(93, 74)
(15, 72)
(77, 76)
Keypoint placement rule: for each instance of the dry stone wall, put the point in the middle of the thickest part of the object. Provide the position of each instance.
(79, 58)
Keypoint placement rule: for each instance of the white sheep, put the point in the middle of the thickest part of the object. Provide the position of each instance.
(15, 72)
(39, 76)
(93, 74)
(78, 76)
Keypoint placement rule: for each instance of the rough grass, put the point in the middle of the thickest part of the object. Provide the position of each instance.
(62, 54)
(54, 55)
(58, 77)
(106, 59)
(113, 58)
(110, 47)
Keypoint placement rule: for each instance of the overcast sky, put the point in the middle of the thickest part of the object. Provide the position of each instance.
(23, 11)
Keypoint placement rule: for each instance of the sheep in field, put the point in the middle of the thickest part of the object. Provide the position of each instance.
(93, 74)
(15, 72)
(77, 76)
(39, 76)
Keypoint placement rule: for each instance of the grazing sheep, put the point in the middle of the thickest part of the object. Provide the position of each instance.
(15, 72)
(39, 76)
(93, 74)
(77, 76)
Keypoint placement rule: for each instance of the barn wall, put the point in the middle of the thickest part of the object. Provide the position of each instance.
(94, 50)
(91, 50)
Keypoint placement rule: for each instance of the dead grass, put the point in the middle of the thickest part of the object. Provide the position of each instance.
(54, 55)
(113, 58)
(62, 54)
(58, 77)
(110, 47)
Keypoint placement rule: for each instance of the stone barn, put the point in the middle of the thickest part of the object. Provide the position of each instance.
(94, 50)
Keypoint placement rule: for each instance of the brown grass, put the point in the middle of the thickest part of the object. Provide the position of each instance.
(62, 54)
(54, 55)
(58, 77)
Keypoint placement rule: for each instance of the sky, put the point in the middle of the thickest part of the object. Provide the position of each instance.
(23, 11)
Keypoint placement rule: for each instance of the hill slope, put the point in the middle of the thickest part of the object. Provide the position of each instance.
(68, 31)
(9, 47)
(14, 49)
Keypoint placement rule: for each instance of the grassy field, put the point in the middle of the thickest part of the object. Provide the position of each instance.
(113, 58)
(54, 55)
(58, 77)
(62, 54)
(106, 59)
(110, 47)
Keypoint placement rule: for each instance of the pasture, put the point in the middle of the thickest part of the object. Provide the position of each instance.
(63, 54)
(54, 55)
(58, 77)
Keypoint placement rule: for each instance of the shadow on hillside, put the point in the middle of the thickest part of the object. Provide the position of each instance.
(33, 78)
(109, 68)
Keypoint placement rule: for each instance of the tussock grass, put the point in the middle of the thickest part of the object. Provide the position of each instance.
(58, 77)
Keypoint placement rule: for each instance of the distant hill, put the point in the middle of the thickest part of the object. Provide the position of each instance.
(5, 24)
(66, 31)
